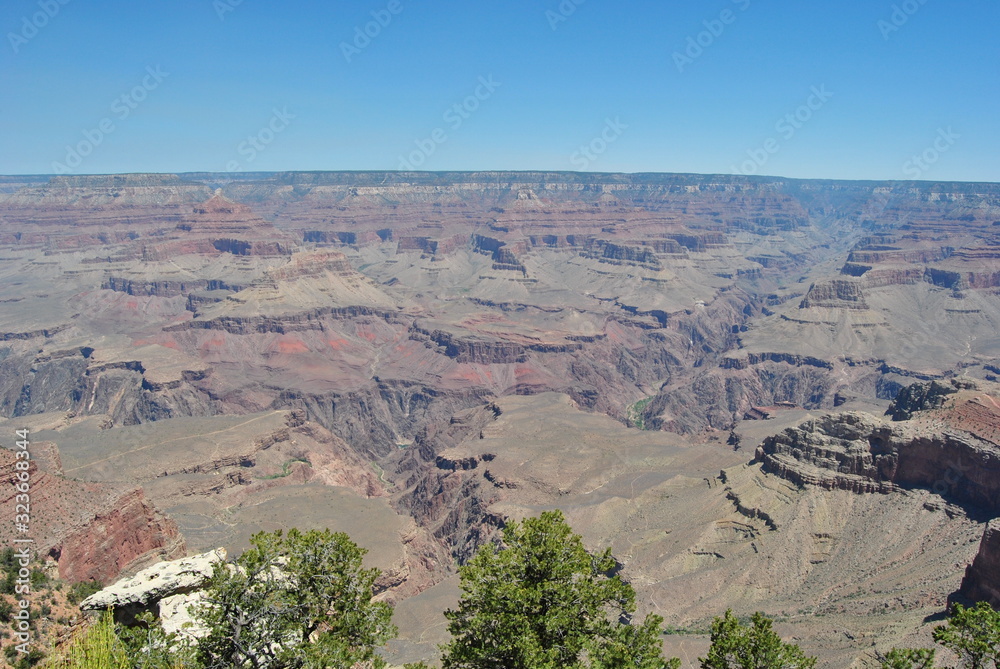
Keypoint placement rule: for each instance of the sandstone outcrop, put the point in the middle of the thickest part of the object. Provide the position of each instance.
(92, 530)
(952, 451)
(848, 450)
(982, 577)
(132, 533)
(164, 588)
(836, 294)
(944, 437)
(922, 397)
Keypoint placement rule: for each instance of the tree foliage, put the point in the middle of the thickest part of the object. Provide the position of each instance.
(973, 634)
(909, 658)
(296, 601)
(80, 591)
(149, 647)
(544, 602)
(754, 646)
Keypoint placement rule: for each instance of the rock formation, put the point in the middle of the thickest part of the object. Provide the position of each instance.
(946, 439)
(949, 447)
(982, 578)
(836, 294)
(92, 530)
(164, 589)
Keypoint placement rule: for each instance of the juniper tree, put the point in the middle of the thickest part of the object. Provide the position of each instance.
(296, 601)
(754, 646)
(909, 658)
(973, 634)
(542, 601)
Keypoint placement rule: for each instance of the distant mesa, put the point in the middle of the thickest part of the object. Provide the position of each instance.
(220, 225)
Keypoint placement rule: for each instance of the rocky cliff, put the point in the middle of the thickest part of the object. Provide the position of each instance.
(128, 535)
(944, 438)
(948, 445)
(92, 530)
(982, 582)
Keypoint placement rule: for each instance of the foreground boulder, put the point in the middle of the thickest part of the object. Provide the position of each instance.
(146, 590)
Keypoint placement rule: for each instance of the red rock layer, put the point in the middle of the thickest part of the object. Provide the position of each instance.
(93, 530)
(127, 536)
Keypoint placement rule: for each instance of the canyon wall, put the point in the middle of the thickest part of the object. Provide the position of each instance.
(941, 437)
(92, 530)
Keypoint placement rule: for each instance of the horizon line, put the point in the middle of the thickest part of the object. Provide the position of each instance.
(238, 176)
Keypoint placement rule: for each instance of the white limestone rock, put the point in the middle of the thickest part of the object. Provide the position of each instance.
(156, 583)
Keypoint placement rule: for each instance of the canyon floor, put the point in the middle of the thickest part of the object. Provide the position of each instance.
(414, 358)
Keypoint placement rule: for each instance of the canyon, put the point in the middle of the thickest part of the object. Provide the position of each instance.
(695, 368)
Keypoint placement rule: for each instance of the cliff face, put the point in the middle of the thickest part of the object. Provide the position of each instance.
(982, 582)
(127, 387)
(130, 535)
(839, 294)
(852, 451)
(948, 447)
(946, 439)
(92, 530)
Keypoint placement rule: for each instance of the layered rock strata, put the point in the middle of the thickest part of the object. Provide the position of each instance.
(92, 530)
(946, 439)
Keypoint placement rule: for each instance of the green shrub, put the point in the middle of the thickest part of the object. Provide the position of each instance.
(754, 646)
(80, 591)
(545, 601)
(29, 659)
(97, 648)
(8, 582)
(6, 610)
(973, 634)
(909, 658)
(39, 579)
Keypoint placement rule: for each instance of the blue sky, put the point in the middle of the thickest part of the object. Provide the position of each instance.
(854, 89)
